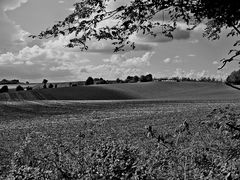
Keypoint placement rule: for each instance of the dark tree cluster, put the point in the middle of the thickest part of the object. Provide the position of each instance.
(146, 78)
(4, 89)
(134, 79)
(234, 78)
(19, 88)
(89, 81)
(188, 79)
(100, 81)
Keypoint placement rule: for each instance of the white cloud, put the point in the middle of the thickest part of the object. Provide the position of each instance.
(167, 60)
(123, 61)
(109, 71)
(11, 35)
(176, 59)
(215, 62)
(61, 2)
(191, 55)
(36, 62)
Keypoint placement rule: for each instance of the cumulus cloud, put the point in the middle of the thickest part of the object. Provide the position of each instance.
(41, 62)
(191, 55)
(167, 60)
(94, 46)
(176, 59)
(215, 62)
(11, 35)
(124, 61)
(109, 71)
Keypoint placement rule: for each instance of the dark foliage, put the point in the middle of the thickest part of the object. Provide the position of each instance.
(50, 85)
(146, 78)
(89, 81)
(4, 89)
(45, 81)
(19, 88)
(132, 79)
(234, 77)
(100, 81)
(119, 80)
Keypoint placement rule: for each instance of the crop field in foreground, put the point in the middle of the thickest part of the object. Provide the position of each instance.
(96, 121)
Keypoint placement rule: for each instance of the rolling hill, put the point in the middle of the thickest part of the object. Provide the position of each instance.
(153, 90)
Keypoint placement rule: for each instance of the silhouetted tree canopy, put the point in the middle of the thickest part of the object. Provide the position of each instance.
(89, 81)
(87, 21)
(234, 77)
(19, 88)
(4, 89)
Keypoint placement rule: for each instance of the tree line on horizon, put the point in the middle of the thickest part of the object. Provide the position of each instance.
(233, 78)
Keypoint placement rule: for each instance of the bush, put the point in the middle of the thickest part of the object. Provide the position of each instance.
(4, 89)
(89, 81)
(50, 85)
(19, 88)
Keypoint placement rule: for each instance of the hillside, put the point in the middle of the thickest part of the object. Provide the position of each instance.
(153, 90)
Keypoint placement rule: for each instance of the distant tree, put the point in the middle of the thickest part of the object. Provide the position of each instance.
(89, 81)
(27, 82)
(118, 80)
(135, 78)
(19, 88)
(4, 89)
(45, 81)
(149, 77)
(143, 78)
(50, 85)
(234, 77)
(55, 85)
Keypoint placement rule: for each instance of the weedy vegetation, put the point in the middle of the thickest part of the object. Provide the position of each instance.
(101, 148)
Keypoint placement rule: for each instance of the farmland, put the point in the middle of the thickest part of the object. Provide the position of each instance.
(40, 130)
(97, 120)
(127, 91)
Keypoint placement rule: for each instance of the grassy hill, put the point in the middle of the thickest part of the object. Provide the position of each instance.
(153, 90)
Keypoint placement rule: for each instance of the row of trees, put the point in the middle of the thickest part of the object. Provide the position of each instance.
(18, 88)
(142, 78)
(202, 79)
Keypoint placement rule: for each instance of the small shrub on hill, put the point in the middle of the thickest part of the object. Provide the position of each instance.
(50, 85)
(19, 88)
(89, 81)
(4, 89)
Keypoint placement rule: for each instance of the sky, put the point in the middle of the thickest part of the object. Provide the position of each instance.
(27, 59)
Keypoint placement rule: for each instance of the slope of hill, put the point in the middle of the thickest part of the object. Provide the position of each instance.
(153, 90)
